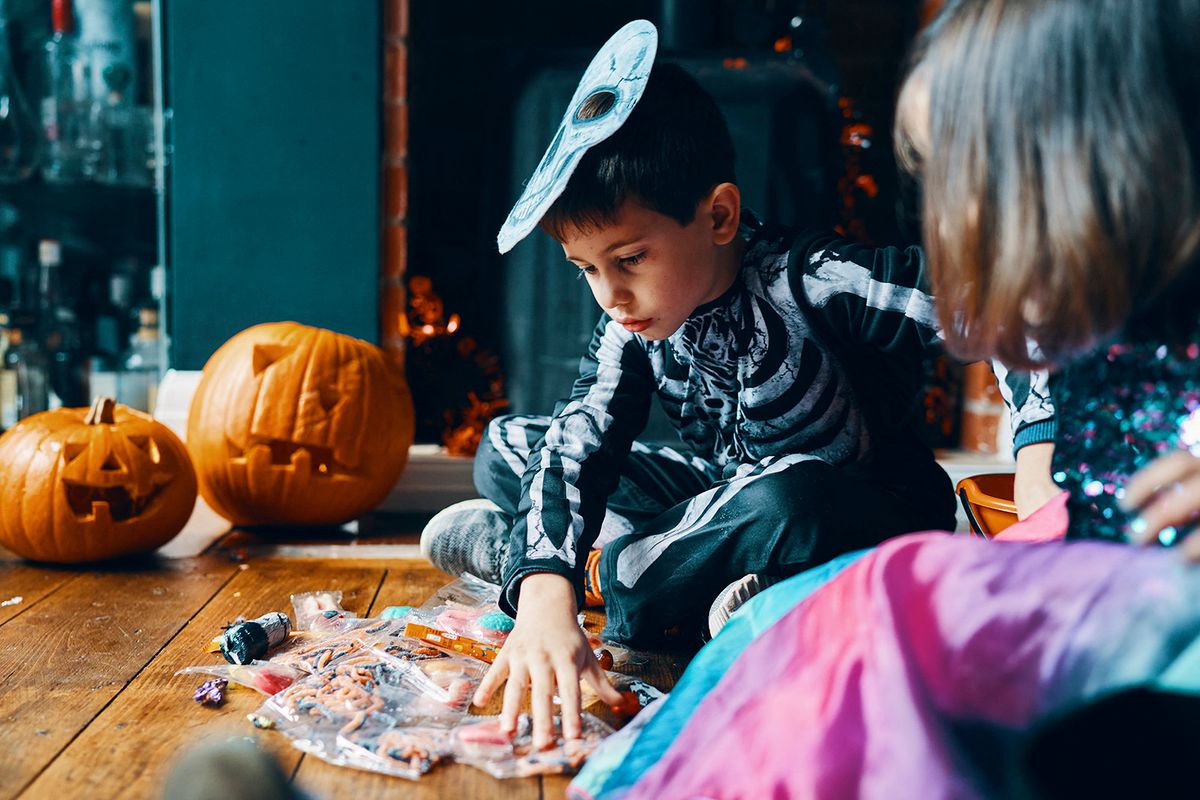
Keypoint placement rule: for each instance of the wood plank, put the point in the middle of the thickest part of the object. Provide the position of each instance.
(29, 582)
(132, 745)
(323, 780)
(410, 583)
(62, 661)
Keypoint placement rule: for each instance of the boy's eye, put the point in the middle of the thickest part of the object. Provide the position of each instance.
(588, 270)
(631, 261)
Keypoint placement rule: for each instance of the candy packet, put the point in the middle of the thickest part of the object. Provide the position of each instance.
(261, 676)
(480, 743)
(322, 612)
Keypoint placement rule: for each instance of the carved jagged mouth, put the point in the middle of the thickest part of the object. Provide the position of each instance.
(283, 455)
(122, 505)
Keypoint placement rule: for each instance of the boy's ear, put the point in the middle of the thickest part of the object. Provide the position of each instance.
(725, 207)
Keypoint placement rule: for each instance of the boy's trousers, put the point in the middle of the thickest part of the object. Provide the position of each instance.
(679, 529)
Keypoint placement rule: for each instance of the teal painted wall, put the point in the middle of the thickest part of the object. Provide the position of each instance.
(272, 198)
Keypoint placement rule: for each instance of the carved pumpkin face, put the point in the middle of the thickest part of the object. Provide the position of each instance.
(293, 424)
(84, 485)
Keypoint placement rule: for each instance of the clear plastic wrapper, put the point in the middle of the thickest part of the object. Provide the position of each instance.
(389, 637)
(610, 654)
(372, 684)
(376, 711)
(322, 612)
(408, 752)
(480, 743)
(261, 676)
(466, 591)
(312, 651)
(467, 608)
(360, 693)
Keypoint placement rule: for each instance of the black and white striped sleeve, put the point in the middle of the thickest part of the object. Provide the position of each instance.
(870, 296)
(1030, 406)
(880, 297)
(571, 473)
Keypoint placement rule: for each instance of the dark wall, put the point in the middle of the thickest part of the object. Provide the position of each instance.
(469, 62)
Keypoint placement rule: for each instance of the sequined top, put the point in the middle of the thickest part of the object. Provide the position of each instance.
(1119, 408)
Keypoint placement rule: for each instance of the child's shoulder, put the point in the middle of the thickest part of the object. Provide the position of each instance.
(774, 245)
(808, 241)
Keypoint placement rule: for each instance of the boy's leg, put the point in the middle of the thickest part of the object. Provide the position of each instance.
(473, 536)
(777, 518)
(652, 480)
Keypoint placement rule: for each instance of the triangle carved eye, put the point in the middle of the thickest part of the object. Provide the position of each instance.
(73, 450)
(328, 397)
(146, 445)
(267, 354)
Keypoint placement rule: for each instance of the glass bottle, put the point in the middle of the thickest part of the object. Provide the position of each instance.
(107, 33)
(141, 366)
(107, 30)
(111, 300)
(65, 105)
(26, 362)
(8, 378)
(59, 331)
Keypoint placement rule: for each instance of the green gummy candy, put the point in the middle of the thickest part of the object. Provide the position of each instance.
(496, 621)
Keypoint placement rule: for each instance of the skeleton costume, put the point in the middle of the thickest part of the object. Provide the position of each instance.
(794, 394)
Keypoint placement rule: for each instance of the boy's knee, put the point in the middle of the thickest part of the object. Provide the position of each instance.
(490, 466)
(493, 432)
(800, 485)
(502, 455)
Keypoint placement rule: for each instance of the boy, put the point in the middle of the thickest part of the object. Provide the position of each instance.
(789, 362)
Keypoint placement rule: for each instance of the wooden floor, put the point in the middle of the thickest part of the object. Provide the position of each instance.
(89, 702)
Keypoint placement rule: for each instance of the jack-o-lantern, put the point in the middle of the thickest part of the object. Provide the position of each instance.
(298, 425)
(84, 485)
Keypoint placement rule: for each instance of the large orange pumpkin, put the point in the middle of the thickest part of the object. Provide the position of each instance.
(298, 425)
(83, 485)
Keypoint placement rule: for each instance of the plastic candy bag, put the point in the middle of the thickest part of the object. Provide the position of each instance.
(261, 676)
(322, 612)
(374, 710)
(480, 743)
(406, 752)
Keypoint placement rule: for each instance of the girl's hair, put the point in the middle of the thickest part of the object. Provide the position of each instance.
(670, 153)
(1058, 146)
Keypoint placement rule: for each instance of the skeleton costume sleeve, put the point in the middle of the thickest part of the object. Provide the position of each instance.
(577, 466)
(878, 297)
(867, 295)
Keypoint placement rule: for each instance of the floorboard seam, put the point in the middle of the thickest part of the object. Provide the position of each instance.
(233, 573)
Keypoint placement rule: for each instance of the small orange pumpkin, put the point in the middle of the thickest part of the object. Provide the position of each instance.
(292, 424)
(84, 485)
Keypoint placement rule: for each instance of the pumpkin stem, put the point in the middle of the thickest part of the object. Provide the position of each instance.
(102, 412)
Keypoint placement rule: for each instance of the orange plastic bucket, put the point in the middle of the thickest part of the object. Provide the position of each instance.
(988, 501)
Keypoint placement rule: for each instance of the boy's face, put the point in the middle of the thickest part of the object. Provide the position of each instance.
(648, 272)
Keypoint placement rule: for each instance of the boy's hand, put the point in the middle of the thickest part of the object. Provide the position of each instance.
(1166, 493)
(548, 653)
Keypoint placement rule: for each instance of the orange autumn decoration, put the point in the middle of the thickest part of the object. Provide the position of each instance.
(84, 485)
(298, 425)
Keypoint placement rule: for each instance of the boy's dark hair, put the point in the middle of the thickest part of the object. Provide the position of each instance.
(669, 154)
(1059, 154)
